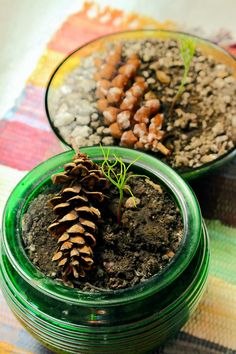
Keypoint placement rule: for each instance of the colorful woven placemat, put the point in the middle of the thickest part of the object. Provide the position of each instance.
(26, 140)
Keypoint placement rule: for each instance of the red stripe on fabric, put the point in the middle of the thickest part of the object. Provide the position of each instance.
(23, 147)
(32, 104)
(67, 39)
(232, 50)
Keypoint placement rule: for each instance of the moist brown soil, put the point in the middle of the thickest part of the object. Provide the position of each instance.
(126, 254)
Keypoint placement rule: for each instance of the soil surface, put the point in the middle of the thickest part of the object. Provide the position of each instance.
(126, 254)
(201, 127)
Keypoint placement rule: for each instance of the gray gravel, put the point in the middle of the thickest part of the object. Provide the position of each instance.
(203, 125)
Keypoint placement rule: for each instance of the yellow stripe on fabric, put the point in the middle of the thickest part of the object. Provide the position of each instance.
(215, 318)
(45, 67)
(223, 249)
(7, 348)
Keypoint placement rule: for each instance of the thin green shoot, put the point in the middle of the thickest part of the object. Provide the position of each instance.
(187, 48)
(115, 170)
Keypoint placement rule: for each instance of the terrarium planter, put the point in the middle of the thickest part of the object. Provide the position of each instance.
(119, 90)
(132, 320)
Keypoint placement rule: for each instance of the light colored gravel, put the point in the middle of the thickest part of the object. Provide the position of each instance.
(203, 125)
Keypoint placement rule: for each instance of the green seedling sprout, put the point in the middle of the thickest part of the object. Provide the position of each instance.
(116, 171)
(187, 48)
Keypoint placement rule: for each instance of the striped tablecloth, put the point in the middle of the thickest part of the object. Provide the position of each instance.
(26, 140)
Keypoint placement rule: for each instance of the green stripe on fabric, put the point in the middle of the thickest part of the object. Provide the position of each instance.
(223, 250)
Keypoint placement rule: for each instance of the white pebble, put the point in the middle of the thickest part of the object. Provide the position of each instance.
(94, 124)
(218, 128)
(63, 118)
(79, 141)
(219, 83)
(108, 140)
(65, 133)
(230, 80)
(66, 89)
(132, 202)
(221, 138)
(100, 130)
(94, 139)
(94, 116)
(63, 108)
(106, 131)
(84, 107)
(88, 62)
(227, 99)
(82, 131)
(123, 119)
(83, 119)
(208, 158)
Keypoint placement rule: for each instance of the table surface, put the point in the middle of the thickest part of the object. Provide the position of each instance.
(25, 29)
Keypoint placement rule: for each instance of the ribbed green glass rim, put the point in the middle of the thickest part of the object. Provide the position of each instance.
(36, 179)
(189, 297)
(205, 44)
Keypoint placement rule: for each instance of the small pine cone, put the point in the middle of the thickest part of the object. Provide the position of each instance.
(77, 209)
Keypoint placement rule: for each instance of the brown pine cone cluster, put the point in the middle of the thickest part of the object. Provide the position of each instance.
(77, 208)
(129, 109)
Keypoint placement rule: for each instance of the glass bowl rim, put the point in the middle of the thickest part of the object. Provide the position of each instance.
(188, 173)
(199, 280)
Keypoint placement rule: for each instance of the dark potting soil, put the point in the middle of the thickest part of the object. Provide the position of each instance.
(126, 254)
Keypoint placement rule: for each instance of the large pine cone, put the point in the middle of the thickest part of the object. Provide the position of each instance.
(129, 109)
(77, 208)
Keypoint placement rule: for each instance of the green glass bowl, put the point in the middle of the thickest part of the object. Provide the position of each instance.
(133, 320)
(73, 60)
